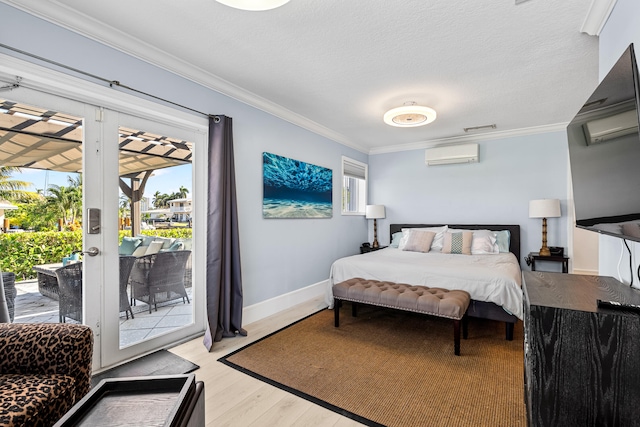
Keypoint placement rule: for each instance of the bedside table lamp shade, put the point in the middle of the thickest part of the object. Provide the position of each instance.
(375, 212)
(544, 208)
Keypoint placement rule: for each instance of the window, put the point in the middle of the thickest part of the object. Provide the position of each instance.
(354, 186)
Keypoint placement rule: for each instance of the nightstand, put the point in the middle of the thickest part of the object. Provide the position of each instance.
(365, 249)
(535, 256)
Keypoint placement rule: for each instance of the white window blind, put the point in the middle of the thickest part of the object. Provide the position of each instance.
(354, 169)
(354, 187)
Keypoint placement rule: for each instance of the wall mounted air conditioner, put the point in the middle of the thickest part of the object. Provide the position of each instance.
(448, 154)
(608, 128)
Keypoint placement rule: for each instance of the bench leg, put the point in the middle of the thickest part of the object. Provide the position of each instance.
(509, 331)
(456, 337)
(465, 326)
(336, 312)
(354, 309)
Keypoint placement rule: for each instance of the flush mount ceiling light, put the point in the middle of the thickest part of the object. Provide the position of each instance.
(409, 115)
(253, 5)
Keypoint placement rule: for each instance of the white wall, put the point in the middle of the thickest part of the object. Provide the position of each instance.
(496, 190)
(621, 29)
(278, 256)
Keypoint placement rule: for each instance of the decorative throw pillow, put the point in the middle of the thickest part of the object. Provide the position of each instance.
(146, 240)
(503, 238)
(154, 247)
(484, 243)
(128, 245)
(176, 246)
(436, 245)
(457, 243)
(395, 239)
(419, 241)
(140, 251)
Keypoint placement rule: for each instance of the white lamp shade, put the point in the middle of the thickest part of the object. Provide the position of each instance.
(544, 208)
(374, 211)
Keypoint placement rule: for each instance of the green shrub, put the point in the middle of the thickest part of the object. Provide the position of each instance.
(21, 251)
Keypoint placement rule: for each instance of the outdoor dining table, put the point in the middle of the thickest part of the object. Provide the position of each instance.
(47, 280)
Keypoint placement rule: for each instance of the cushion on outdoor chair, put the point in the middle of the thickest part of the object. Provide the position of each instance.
(128, 245)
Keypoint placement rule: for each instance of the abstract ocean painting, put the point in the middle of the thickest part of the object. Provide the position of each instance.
(295, 189)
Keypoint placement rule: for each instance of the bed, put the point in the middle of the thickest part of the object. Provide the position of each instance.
(493, 281)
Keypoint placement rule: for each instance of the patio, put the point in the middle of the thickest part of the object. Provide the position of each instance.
(33, 307)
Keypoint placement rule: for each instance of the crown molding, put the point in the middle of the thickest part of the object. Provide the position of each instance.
(489, 136)
(597, 16)
(61, 15)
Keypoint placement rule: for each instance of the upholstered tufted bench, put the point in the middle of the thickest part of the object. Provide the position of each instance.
(419, 299)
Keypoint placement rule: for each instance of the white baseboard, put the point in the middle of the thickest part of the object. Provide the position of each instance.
(585, 272)
(272, 306)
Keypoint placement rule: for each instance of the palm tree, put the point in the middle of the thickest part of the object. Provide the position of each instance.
(67, 200)
(75, 186)
(157, 198)
(182, 192)
(75, 182)
(125, 205)
(11, 189)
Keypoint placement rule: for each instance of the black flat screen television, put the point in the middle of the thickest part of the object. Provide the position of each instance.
(604, 154)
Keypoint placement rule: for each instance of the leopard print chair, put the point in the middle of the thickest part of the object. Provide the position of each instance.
(44, 370)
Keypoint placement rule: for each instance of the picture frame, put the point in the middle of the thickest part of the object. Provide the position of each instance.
(295, 189)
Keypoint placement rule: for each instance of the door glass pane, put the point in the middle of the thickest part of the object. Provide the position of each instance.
(154, 234)
(41, 212)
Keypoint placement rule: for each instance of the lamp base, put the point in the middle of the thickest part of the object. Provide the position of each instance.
(544, 250)
(375, 234)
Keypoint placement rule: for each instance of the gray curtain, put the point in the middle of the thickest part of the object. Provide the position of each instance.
(4, 308)
(224, 279)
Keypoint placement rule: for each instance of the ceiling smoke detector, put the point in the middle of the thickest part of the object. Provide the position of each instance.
(409, 115)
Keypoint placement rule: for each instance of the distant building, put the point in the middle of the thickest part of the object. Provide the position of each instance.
(180, 209)
(157, 213)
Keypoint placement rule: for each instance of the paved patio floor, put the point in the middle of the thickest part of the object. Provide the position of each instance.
(33, 307)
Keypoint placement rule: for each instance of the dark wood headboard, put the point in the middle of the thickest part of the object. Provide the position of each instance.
(514, 242)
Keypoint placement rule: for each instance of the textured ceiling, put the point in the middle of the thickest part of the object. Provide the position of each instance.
(335, 66)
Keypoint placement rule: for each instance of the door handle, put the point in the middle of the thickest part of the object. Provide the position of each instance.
(92, 251)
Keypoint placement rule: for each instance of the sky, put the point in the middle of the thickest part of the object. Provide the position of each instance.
(168, 180)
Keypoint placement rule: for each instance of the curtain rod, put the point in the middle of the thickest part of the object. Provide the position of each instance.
(111, 83)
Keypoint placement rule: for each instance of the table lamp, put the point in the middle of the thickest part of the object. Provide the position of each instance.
(374, 212)
(544, 208)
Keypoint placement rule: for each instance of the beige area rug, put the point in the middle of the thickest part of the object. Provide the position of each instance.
(392, 368)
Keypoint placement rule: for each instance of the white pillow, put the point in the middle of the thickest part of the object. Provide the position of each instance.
(154, 247)
(436, 245)
(419, 241)
(140, 251)
(484, 243)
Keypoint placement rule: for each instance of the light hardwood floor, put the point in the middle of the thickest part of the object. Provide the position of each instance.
(235, 399)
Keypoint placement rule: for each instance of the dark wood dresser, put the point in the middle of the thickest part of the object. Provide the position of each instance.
(582, 362)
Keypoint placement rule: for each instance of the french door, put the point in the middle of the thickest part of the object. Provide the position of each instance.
(120, 136)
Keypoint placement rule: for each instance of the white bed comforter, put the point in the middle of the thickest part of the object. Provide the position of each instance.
(490, 278)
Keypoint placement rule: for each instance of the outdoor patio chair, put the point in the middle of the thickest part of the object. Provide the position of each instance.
(159, 277)
(126, 264)
(70, 292)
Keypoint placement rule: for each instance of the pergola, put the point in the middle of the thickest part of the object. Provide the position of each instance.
(37, 138)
